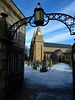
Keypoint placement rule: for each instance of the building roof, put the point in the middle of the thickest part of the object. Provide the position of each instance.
(56, 45)
(56, 51)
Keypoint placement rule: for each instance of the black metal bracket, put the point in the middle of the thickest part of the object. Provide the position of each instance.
(12, 30)
(68, 20)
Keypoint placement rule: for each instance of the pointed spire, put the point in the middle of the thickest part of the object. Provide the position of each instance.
(34, 34)
(33, 37)
(38, 30)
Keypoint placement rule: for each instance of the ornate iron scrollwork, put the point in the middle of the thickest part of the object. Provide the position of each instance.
(68, 20)
(12, 30)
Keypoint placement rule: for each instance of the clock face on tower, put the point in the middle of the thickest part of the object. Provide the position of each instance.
(39, 33)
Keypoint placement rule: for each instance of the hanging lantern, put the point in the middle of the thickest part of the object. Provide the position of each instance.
(38, 16)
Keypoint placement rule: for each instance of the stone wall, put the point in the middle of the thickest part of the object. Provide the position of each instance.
(11, 55)
(14, 14)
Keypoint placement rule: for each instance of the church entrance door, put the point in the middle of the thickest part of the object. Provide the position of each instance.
(60, 59)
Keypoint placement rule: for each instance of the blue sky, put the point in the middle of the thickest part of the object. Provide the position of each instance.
(54, 31)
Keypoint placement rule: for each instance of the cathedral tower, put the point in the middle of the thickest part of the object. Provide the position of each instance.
(38, 45)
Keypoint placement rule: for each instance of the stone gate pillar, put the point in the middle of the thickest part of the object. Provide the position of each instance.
(3, 56)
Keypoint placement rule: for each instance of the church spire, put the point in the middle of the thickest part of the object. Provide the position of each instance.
(34, 34)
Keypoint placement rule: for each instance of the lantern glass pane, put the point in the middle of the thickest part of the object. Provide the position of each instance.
(41, 15)
(37, 15)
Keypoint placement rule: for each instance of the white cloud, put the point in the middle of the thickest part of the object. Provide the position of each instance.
(52, 26)
(69, 9)
(59, 37)
(28, 44)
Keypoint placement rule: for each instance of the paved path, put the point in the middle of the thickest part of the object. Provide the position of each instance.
(42, 93)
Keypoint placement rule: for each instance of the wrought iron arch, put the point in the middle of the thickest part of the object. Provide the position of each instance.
(68, 20)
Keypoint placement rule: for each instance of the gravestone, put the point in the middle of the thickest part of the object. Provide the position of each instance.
(47, 63)
(50, 62)
(29, 63)
(44, 68)
(34, 65)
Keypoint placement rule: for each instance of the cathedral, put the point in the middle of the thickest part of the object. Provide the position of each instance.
(40, 50)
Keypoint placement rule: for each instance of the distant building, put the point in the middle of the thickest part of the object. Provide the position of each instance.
(40, 50)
